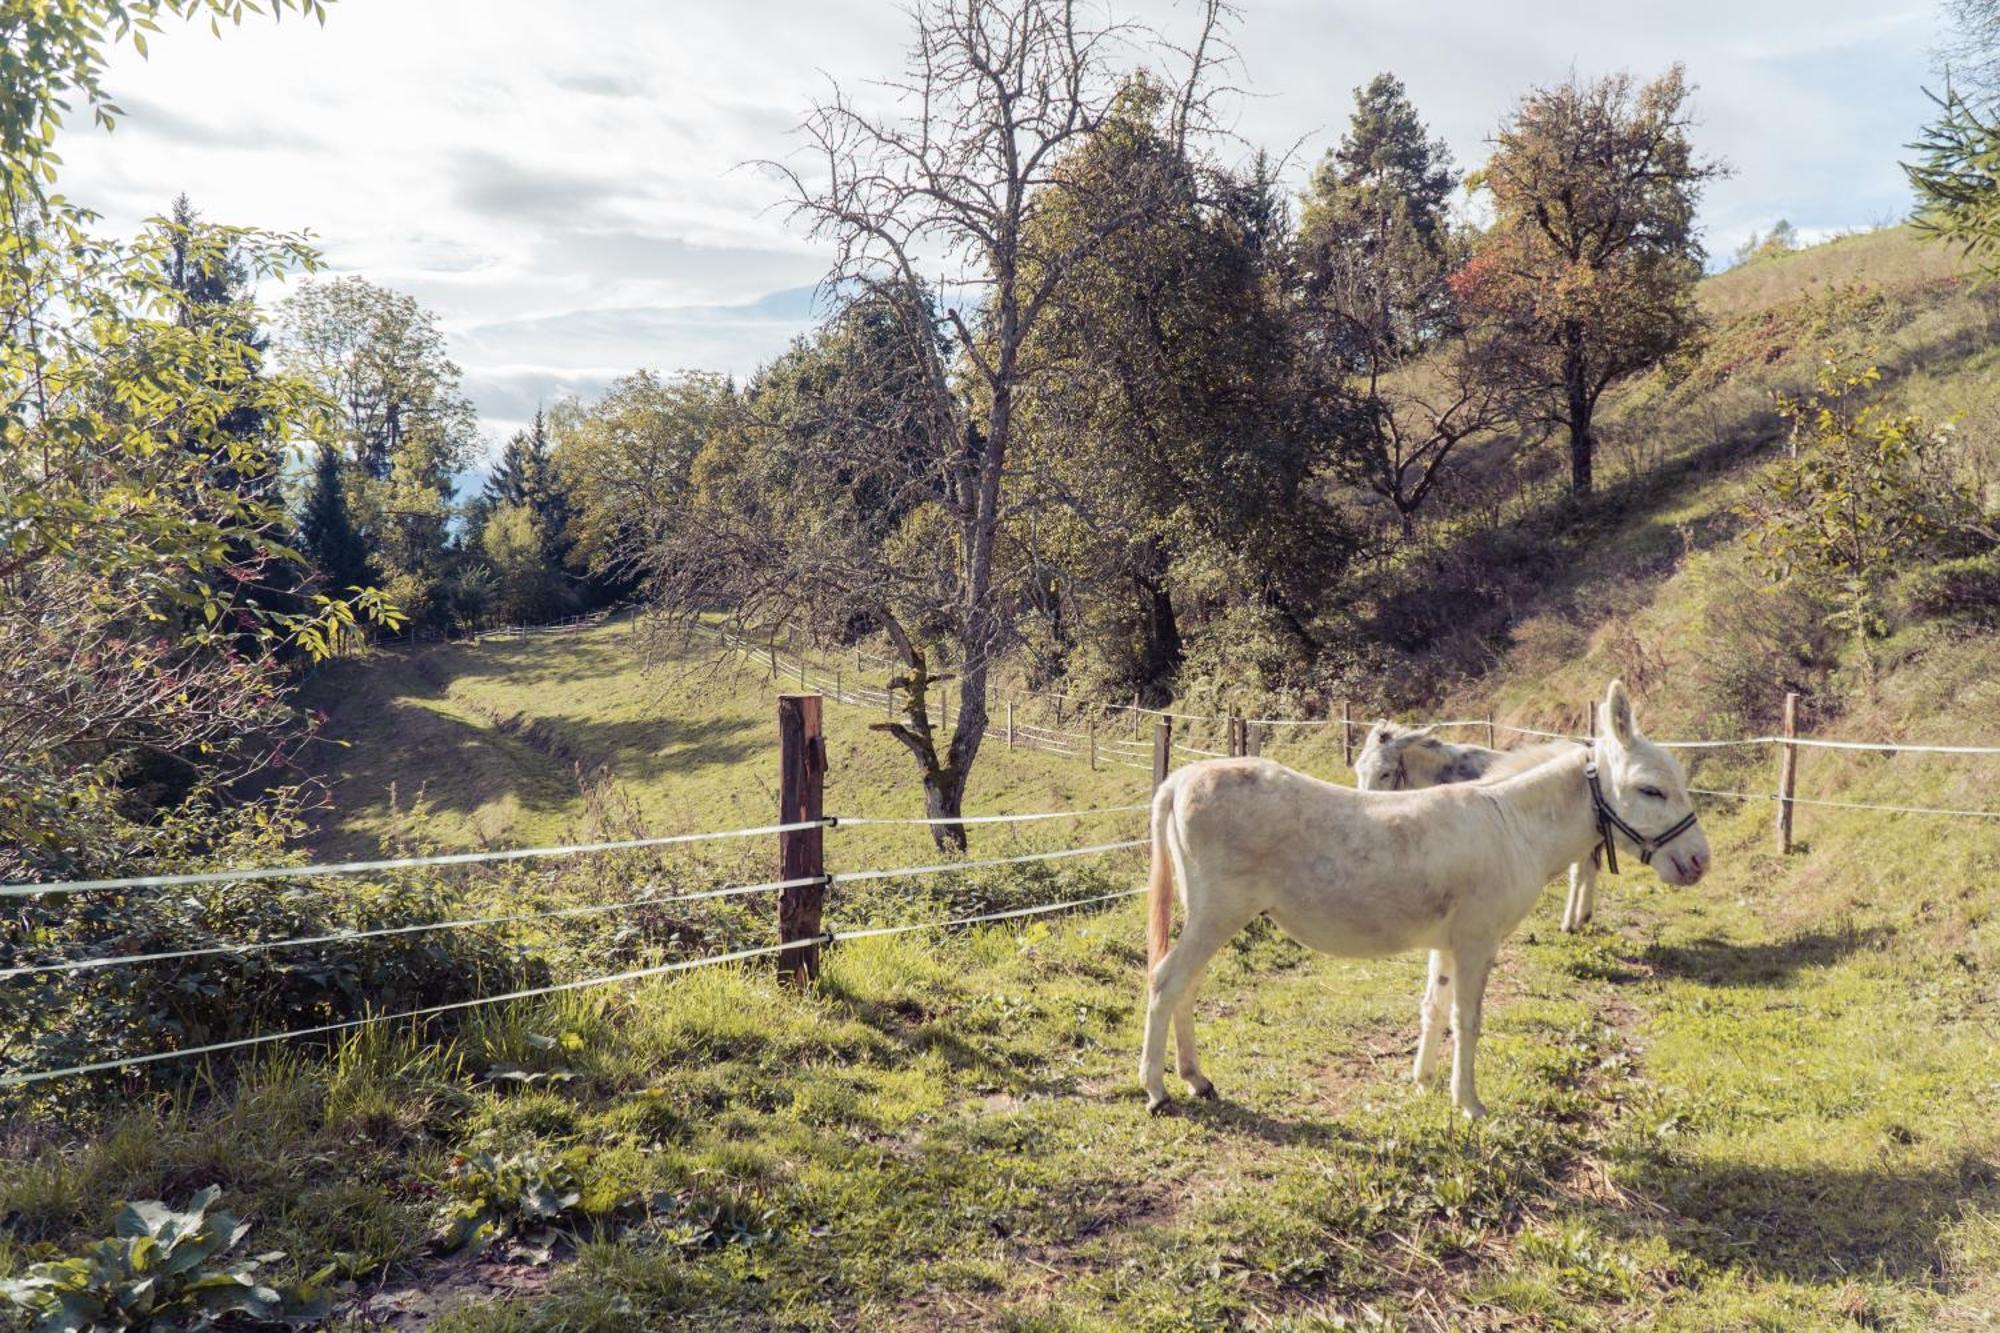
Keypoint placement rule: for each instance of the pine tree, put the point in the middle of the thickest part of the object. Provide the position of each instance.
(525, 476)
(327, 529)
(1387, 152)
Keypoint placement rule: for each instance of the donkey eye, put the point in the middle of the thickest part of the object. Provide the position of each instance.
(1653, 792)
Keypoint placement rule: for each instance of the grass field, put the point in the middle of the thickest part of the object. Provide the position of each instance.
(509, 742)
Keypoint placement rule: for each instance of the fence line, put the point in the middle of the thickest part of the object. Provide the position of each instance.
(347, 936)
(534, 992)
(396, 863)
(419, 928)
(864, 821)
(901, 872)
(1848, 805)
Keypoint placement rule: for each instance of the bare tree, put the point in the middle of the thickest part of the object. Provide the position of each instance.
(933, 184)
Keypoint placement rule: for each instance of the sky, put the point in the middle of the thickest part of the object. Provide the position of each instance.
(566, 185)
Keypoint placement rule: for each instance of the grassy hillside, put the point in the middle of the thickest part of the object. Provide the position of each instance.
(508, 742)
(1768, 1101)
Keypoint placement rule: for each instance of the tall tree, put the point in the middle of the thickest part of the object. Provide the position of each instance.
(395, 410)
(122, 628)
(1387, 152)
(326, 527)
(1372, 270)
(1588, 272)
(1174, 423)
(1957, 179)
(952, 174)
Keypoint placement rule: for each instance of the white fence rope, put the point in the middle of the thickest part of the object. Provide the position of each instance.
(1848, 805)
(871, 932)
(856, 876)
(859, 821)
(1888, 747)
(419, 928)
(396, 863)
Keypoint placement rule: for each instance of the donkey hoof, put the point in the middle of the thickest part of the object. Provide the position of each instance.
(1161, 1105)
(1203, 1089)
(1474, 1110)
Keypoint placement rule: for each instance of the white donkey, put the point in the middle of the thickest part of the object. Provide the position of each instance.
(1450, 869)
(1397, 758)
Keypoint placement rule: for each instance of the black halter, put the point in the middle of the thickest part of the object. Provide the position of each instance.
(1607, 819)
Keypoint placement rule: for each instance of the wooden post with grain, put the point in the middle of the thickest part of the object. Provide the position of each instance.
(1010, 724)
(1090, 733)
(801, 852)
(1788, 773)
(1347, 733)
(1489, 730)
(1163, 745)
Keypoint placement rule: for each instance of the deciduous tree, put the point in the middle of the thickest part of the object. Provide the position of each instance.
(1588, 273)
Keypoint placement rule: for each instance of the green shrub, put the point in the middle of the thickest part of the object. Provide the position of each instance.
(1963, 589)
(163, 1269)
(522, 1193)
(61, 1018)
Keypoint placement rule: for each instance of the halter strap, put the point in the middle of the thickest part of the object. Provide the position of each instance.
(1607, 820)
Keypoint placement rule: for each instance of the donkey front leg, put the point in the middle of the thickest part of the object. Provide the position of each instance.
(1581, 905)
(1470, 965)
(1435, 1011)
(1170, 995)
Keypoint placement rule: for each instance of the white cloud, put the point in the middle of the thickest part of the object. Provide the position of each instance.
(564, 184)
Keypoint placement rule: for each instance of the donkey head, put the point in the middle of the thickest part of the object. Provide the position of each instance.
(1646, 794)
(1396, 757)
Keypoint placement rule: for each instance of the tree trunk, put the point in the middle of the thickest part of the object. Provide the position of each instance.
(944, 798)
(1161, 650)
(1582, 445)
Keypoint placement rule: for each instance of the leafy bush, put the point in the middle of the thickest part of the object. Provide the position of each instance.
(523, 1193)
(1964, 589)
(167, 1270)
(1865, 490)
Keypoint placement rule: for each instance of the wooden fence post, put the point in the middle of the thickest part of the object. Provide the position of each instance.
(1489, 730)
(1788, 774)
(1090, 731)
(1163, 744)
(1347, 732)
(1590, 720)
(1010, 724)
(802, 672)
(1253, 739)
(802, 852)
(774, 659)
(839, 695)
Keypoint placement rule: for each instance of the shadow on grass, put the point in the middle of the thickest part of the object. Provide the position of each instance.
(914, 1031)
(1719, 962)
(1814, 1224)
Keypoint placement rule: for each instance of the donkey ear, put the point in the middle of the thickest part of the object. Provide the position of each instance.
(1618, 714)
(1423, 731)
(1382, 730)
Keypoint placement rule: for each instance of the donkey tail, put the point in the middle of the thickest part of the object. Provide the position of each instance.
(1160, 888)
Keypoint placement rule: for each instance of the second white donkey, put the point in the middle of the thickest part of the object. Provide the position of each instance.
(1451, 869)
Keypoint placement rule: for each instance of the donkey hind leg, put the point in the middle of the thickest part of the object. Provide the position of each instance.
(1435, 1011)
(1470, 965)
(1186, 1064)
(1582, 903)
(1170, 994)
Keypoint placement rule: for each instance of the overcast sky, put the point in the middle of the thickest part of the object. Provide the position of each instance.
(561, 182)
